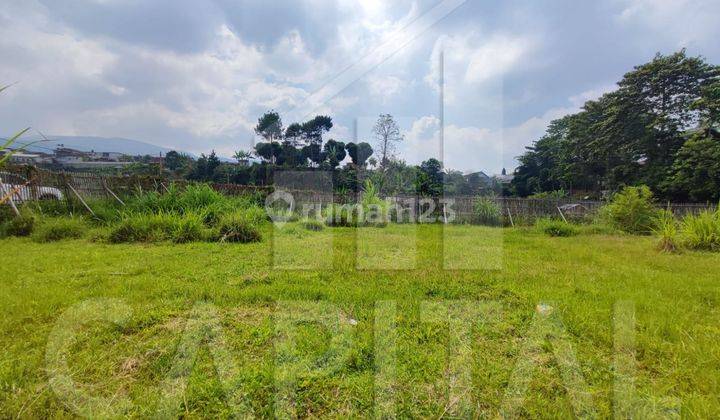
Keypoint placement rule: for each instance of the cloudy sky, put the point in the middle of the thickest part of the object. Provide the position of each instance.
(195, 75)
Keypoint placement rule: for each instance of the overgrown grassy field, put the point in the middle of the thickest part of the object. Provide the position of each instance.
(676, 299)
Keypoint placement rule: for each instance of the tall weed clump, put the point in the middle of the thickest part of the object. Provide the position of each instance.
(142, 227)
(188, 228)
(556, 228)
(487, 212)
(193, 198)
(198, 212)
(632, 210)
(666, 228)
(106, 212)
(238, 227)
(373, 210)
(56, 229)
(21, 225)
(702, 231)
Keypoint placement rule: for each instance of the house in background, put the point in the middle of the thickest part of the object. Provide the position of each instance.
(503, 178)
(477, 177)
(65, 156)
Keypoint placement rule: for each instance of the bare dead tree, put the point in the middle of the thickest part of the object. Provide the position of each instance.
(387, 134)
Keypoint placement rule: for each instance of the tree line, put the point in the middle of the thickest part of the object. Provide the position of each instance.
(300, 146)
(658, 128)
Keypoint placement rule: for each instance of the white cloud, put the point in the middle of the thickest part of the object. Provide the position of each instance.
(421, 140)
(471, 148)
(496, 57)
(385, 87)
(684, 22)
(473, 62)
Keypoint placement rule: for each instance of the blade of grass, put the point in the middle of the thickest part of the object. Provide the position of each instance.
(9, 143)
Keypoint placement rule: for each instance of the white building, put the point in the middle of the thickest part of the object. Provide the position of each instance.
(29, 158)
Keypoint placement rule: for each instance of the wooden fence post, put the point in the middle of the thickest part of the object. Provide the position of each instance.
(561, 214)
(111, 192)
(10, 198)
(81, 200)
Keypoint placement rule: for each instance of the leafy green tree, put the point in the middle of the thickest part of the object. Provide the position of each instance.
(175, 161)
(199, 171)
(294, 134)
(313, 152)
(314, 129)
(627, 137)
(430, 178)
(268, 151)
(289, 155)
(661, 94)
(542, 166)
(212, 164)
(396, 178)
(242, 155)
(359, 153)
(334, 152)
(269, 127)
(709, 107)
(695, 173)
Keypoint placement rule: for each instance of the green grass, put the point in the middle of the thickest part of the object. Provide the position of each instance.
(676, 298)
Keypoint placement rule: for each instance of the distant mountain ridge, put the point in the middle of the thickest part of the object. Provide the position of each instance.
(97, 144)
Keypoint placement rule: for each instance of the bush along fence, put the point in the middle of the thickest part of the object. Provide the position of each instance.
(77, 190)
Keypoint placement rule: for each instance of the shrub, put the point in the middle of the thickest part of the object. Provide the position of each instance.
(702, 231)
(487, 212)
(237, 227)
(556, 227)
(55, 229)
(21, 225)
(667, 230)
(632, 210)
(312, 224)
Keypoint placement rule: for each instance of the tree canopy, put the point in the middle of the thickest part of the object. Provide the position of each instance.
(630, 136)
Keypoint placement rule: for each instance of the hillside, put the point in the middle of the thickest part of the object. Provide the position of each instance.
(98, 144)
